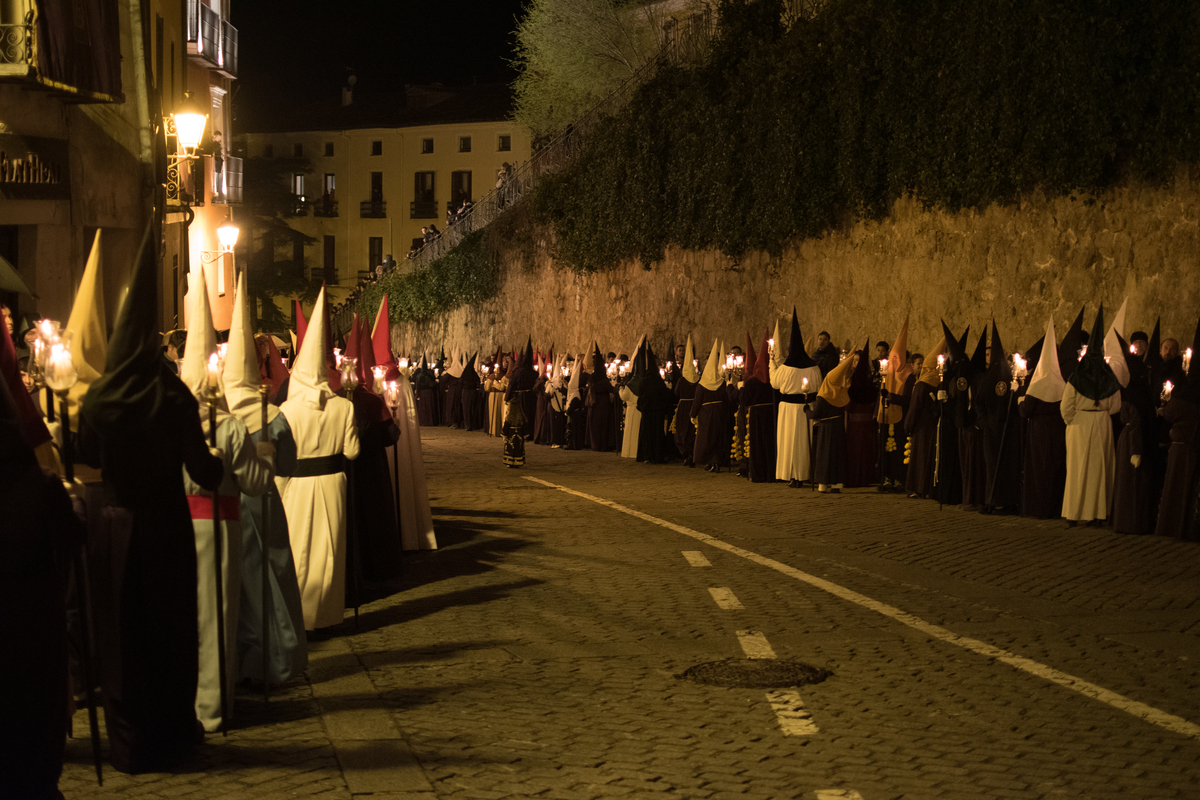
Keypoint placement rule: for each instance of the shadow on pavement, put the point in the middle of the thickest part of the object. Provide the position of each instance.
(409, 610)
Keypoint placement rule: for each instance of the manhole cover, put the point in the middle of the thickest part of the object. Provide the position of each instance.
(756, 673)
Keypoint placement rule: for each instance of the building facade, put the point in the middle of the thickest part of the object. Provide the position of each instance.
(392, 166)
(86, 90)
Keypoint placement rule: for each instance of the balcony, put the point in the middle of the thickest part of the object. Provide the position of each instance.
(86, 74)
(203, 34)
(229, 51)
(227, 184)
(424, 209)
(325, 207)
(373, 209)
(18, 44)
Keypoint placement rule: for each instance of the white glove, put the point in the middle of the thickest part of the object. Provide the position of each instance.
(1136, 461)
(942, 396)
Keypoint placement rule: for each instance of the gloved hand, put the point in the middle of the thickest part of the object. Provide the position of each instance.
(942, 396)
(266, 450)
(1136, 461)
(217, 453)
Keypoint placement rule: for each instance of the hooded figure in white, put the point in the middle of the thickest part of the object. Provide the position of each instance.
(629, 396)
(285, 641)
(797, 379)
(245, 473)
(314, 495)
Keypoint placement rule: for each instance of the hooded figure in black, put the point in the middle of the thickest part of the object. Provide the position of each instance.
(862, 431)
(685, 391)
(656, 402)
(758, 397)
(1176, 510)
(947, 474)
(520, 387)
(963, 378)
(710, 413)
(39, 533)
(999, 432)
(1135, 503)
(1045, 458)
(530, 397)
(472, 397)
(425, 387)
(600, 429)
(1091, 397)
(141, 542)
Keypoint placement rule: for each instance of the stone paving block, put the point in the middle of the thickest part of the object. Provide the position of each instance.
(380, 766)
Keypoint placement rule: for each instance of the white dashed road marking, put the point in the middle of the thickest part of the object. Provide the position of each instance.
(755, 645)
(838, 794)
(696, 558)
(794, 719)
(726, 599)
(1138, 709)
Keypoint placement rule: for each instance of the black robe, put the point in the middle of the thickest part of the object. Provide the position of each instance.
(685, 431)
(710, 409)
(657, 406)
(541, 414)
(862, 444)
(1000, 443)
(577, 417)
(829, 442)
(761, 421)
(473, 402)
(425, 388)
(921, 424)
(600, 431)
(374, 549)
(739, 454)
(1133, 509)
(1045, 461)
(1175, 509)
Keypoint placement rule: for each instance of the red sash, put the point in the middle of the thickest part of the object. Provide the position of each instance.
(202, 507)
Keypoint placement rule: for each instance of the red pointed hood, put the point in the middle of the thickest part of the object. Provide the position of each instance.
(748, 367)
(381, 336)
(762, 365)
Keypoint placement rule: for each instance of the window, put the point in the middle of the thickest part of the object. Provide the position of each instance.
(374, 252)
(298, 151)
(505, 143)
(427, 145)
(464, 144)
(376, 187)
(377, 148)
(424, 203)
(297, 185)
(328, 149)
(460, 188)
(330, 266)
(268, 151)
(330, 183)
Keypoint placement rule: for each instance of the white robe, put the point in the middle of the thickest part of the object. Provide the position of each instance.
(407, 465)
(1091, 460)
(245, 473)
(633, 424)
(316, 507)
(793, 431)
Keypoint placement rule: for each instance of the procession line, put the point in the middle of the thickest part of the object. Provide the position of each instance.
(726, 599)
(1118, 701)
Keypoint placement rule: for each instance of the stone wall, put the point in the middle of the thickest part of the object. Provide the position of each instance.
(1018, 264)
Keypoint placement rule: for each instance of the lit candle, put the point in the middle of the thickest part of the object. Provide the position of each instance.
(1168, 387)
(1187, 359)
(60, 368)
(883, 364)
(404, 363)
(379, 372)
(804, 385)
(214, 370)
(1082, 352)
(222, 349)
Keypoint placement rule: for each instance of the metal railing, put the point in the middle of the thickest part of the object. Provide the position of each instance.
(204, 32)
(325, 207)
(18, 42)
(372, 209)
(233, 179)
(423, 209)
(229, 50)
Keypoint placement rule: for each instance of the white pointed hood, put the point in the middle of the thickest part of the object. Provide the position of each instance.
(309, 382)
(688, 366)
(1047, 383)
(242, 377)
(457, 365)
(201, 343)
(711, 379)
(1112, 347)
(777, 347)
(573, 383)
(88, 323)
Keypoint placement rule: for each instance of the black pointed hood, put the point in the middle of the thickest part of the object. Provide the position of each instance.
(956, 348)
(1033, 354)
(137, 384)
(979, 357)
(527, 356)
(639, 367)
(599, 379)
(1154, 360)
(992, 394)
(797, 356)
(1068, 349)
(862, 389)
(1138, 392)
(1093, 378)
(470, 376)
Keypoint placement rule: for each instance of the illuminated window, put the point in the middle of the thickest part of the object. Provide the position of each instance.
(505, 143)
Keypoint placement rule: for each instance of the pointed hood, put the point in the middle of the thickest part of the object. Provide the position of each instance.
(367, 363)
(1154, 359)
(527, 357)
(354, 341)
(88, 323)
(929, 370)
(381, 336)
(993, 392)
(1047, 383)
(898, 368)
(688, 367)
(1068, 349)
(310, 375)
(778, 344)
(751, 357)
(638, 368)
(456, 364)
(272, 369)
(301, 325)
(201, 341)
(862, 388)
(573, 382)
(1033, 354)
(1113, 347)
(762, 364)
(27, 416)
(711, 379)
(652, 382)
(836, 386)
(797, 356)
(955, 349)
(242, 377)
(1093, 378)
(979, 357)
(137, 383)
(470, 376)
(1138, 391)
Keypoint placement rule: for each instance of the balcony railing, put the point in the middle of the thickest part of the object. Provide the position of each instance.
(424, 209)
(18, 44)
(227, 184)
(229, 51)
(78, 73)
(373, 209)
(204, 33)
(325, 207)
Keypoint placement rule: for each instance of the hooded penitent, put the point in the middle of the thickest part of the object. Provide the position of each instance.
(1033, 354)
(835, 389)
(862, 390)
(992, 396)
(1047, 383)
(797, 356)
(1112, 346)
(310, 376)
(689, 363)
(777, 342)
(896, 374)
(638, 368)
(89, 344)
(1068, 349)
(242, 378)
(711, 379)
(201, 343)
(1154, 359)
(762, 365)
(979, 359)
(301, 325)
(929, 370)
(748, 367)
(381, 336)
(1093, 378)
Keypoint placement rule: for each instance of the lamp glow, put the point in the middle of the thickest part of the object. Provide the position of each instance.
(227, 235)
(190, 120)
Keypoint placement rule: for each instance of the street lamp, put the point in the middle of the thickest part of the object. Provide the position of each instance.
(227, 236)
(186, 124)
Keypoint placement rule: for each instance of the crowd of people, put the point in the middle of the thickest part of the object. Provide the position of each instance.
(208, 509)
(1091, 429)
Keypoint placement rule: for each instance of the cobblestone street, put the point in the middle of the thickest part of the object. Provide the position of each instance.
(538, 653)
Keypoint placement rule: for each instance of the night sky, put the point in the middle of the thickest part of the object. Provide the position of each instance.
(302, 51)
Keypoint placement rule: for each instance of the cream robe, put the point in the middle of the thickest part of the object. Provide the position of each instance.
(633, 424)
(316, 507)
(416, 518)
(793, 432)
(1091, 460)
(245, 473)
